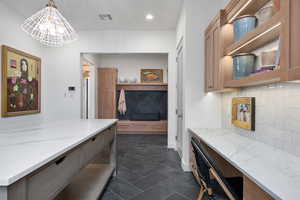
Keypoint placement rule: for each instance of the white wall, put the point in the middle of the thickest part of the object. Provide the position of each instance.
(57, 74)
(11, 35)
(133, 42)
(66, 61)
(277, 115)
(200, 109)
(130, 65)
(61, 66)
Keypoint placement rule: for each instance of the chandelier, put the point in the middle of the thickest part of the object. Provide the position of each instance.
(49, 27)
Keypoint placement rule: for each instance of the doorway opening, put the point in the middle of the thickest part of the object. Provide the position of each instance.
(143, 78)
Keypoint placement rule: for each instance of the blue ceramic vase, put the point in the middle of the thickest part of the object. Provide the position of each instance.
(243, 65)
(244, 25)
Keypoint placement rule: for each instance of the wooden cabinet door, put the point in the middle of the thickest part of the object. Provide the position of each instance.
(209, 60)
(216, 56)
(212, 57)
(107, 97)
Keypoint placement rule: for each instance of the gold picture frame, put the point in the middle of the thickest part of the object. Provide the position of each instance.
(21, 83)
(152, 76)
(243, 112)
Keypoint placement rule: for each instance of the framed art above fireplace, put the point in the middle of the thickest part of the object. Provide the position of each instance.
(152, 76)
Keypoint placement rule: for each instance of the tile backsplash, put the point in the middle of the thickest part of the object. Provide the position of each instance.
(277, 115)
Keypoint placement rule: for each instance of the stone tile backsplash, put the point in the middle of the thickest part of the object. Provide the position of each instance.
(277, 115)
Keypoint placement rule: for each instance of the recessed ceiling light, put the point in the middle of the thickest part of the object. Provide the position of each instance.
(149, 17)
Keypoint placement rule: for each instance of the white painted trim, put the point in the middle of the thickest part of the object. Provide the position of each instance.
(172, 146)
(179, 45)
(185, 166)
(171, 58)
(88, 61)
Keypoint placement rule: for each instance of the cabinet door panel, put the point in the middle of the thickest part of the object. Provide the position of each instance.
(216, 57)
(209, 63)
(213, 76)
(107, 86)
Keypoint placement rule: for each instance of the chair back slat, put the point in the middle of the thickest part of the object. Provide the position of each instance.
(202, 164)
(206, 161)
(222, 184)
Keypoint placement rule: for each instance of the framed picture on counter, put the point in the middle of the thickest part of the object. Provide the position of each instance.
(152, 76)
(243, 112)
(21, 83)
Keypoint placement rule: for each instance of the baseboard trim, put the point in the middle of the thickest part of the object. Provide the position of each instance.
(172, 146)
(185, 166)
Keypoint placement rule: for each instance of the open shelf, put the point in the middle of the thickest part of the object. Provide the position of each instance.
(142, 127)
(238, 8)
(259, 37)
(220, 45)
(255, 79)
(89, 184)
(143, 86)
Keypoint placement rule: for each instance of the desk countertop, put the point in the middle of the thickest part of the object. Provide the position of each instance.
(22, 151)
(275, 171)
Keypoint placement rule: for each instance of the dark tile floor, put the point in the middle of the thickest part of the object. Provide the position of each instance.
(147, 170)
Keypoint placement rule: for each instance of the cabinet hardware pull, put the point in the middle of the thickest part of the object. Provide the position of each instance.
(59, 161)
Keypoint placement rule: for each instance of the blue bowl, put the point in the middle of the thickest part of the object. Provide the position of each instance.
(243, 65)
(244, 25)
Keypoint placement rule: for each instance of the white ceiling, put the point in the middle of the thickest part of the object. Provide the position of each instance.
(127, 14)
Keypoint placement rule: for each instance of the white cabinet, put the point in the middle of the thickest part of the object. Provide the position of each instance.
(49, 181)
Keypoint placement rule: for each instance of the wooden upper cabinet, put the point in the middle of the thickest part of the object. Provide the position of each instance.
(212, 56)
(209, 85)
(220, 46)
(291, 37)
(107, 93)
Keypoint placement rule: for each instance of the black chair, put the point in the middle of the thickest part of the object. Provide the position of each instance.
(218, 188)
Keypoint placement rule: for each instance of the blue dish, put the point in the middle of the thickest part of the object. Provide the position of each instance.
(244, 25)
(243, 65)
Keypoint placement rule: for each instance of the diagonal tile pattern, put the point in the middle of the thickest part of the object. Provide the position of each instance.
(147, 170)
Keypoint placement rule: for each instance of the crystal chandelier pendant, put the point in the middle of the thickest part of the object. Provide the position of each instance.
(49, 27)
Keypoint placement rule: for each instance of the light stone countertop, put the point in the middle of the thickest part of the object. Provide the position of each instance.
(275, 171)
(23, 151)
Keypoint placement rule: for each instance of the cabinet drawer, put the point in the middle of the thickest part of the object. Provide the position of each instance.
(49, 181)
(92, 148)
(123, 126)
(108, 136)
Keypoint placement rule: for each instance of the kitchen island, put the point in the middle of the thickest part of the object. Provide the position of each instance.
(52, 159)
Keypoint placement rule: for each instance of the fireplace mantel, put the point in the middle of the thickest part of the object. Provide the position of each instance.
(143, 86)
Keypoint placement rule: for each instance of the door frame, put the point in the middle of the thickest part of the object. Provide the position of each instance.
(179, 86)
(171, 64)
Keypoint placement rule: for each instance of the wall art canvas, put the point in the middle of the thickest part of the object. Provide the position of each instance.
(152, 76)
(243, 112)
(21, 83)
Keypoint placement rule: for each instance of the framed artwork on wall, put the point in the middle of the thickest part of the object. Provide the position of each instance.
(243, 113)
(152, 76)
(21, 83)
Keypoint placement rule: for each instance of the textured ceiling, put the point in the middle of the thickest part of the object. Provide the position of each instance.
(126, 14)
